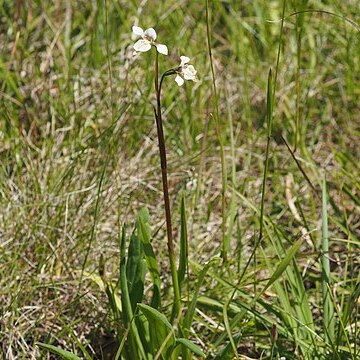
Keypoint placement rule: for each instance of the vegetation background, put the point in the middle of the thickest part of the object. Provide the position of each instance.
(79, 158)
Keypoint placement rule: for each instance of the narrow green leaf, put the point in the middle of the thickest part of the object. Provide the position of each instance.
(328, 307)
(183, 244)
(80, 345)
(114, 302)
(295, 289)
(144, 234)
(284, 263)
(135, 275)
(192, 307)
(190, 345)
(286, 305)
(231, 216)
(9, 78)
(125, 298)
(159, 327)
(228, 327)
(219, 134)
(266, 168)
(67, 355)
(227, 352)
(352, 303)
(354, 197)
(153, 314)
(135, 344)
(135, 270)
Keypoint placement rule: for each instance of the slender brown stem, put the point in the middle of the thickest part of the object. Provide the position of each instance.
(157, 75)
(162, 150)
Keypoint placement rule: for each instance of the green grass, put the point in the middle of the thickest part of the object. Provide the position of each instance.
(267, 250)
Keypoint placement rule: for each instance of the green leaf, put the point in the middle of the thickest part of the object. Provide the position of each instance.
(160, 328)
(284, 263)
(228, 326)
(125, 297)
(227, 352)
(328, 307)
(114, 301)
(190, 345)
(154, 315)
(192, 307)
(352, 303)
(144, 234)
(183, 244)
(135, 344)
(67, 355)
(135, 270)
(292, 295)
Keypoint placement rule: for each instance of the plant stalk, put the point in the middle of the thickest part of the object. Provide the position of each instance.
(162, 151)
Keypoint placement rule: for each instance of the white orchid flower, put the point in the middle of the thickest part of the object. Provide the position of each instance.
(185, 71)
(148, 38)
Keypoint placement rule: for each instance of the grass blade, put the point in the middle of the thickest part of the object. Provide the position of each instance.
(183, 262)
(190, 345)
(191, 310)
(267, 154)
(67, 355)
(219, 136)
(227, 352)
(328, 308)
(228, 327)
(192, 307)
(284, 263)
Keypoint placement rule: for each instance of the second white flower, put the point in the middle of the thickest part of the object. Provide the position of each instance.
(185, 71)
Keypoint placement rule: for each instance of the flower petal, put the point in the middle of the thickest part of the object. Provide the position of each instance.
(162, 49)
(189, 73)
(179, 80)
(142, 45)
(138, 30)
(150, 33)
(184, 60)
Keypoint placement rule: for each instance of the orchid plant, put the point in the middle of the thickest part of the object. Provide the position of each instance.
(148, 39)
(183, 72)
